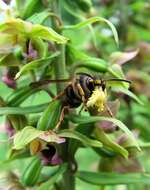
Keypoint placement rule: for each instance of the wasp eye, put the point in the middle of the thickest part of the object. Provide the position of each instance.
(103, 86)
(90, 85)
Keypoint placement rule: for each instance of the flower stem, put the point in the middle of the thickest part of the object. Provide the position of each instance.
(60, 68)
(60, 64)
(68, 180)
(60, 73)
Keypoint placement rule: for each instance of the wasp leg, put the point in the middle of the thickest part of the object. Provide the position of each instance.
(61, 117)
(58, 96)
(81, 92)
(109, 110)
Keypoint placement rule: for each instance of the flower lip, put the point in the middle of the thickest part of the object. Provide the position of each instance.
(49, 151)
(50, 156)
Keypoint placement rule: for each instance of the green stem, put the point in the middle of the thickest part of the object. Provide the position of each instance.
(60, 67)
(68, 180)
(60, 64)
(60, 73)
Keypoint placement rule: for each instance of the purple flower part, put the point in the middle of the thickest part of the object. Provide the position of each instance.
(124, 138)
(50, 136)
(9, 81)
(32, 54)
(7, 1)
(9, 129)
(50, 156)
(108, 127)
(45, 161)
(56, 160)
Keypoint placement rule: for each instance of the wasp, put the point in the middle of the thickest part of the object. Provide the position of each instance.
(83, 89)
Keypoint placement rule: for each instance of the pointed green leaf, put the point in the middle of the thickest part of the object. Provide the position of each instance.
(117, 72)
(94, 64)
(29, 30)
(53, 178)
(113, 178)
(22, 110)
(127, 92)
(9, 60)
(19, 95)
(45, 33)
(36, 64)
(78, 136)
(29, 8)
(39, 18)
(93, 20)
(92, 119)
(50, 116)
(106, 140)
(84, 60)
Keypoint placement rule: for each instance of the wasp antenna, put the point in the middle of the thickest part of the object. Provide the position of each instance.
(45, 82)
(116, 79)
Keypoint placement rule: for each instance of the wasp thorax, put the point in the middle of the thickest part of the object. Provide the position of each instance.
(98, 99)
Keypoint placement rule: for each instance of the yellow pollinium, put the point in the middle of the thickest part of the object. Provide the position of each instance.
(36, 146)
(98, 99)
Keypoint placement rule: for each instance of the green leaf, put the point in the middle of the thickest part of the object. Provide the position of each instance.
(47, 185)
(117, 72)
(29, 133)
(19, 95)
(36, 64)
(106, 140)
(78, 136)
(92, 119)
(22, 110)
(50, 116)
(83, 60)
(113, 178)
(93, 20)
(94, 64)
(32, 172)
(45, 33)
(17, 121)
(29, 30)
(20, 154)
(39, 18)
(127, 92)
(29, 8)
(9, 60)
(84, 5)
